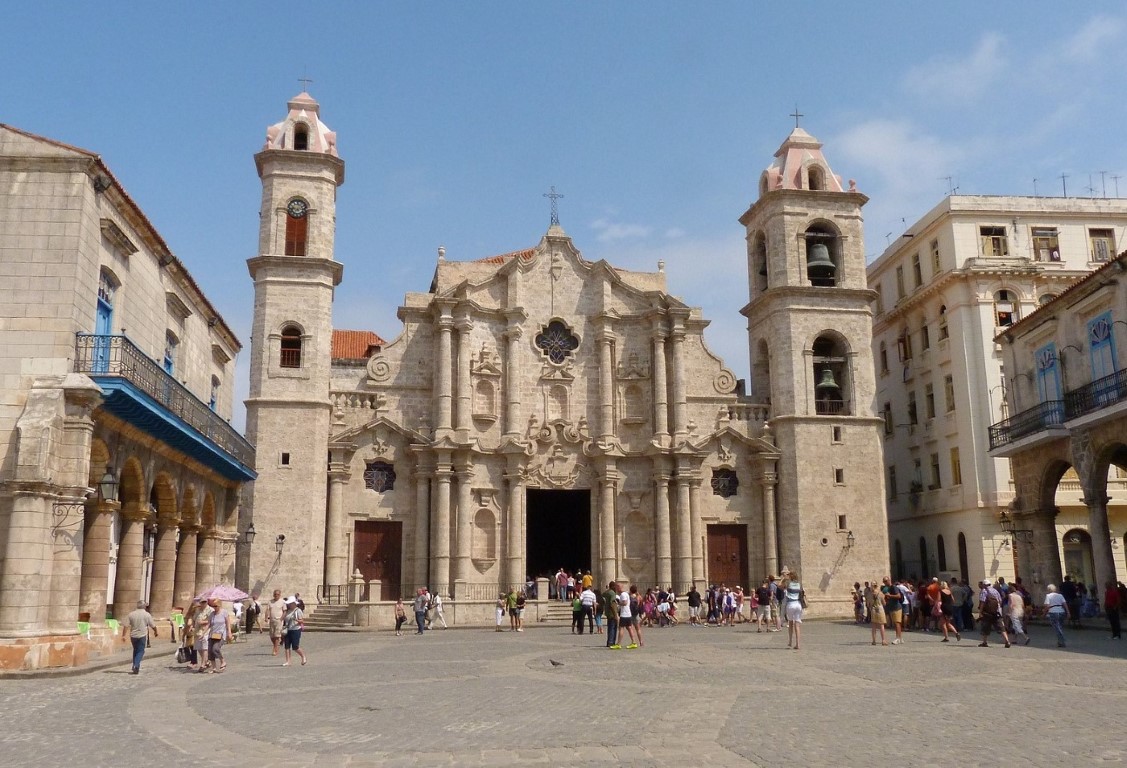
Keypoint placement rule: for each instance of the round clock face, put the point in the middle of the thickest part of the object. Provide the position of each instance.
(297, 208)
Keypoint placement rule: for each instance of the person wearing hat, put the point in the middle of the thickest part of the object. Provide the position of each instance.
(990, 613)
(137, 625)
(293, 623)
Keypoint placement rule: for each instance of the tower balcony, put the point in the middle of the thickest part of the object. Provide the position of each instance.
(140, 392)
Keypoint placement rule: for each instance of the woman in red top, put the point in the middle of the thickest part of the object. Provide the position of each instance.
(1112, 607)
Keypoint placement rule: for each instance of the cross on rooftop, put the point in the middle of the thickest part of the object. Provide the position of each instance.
(796, 114)
(553, 195)
(305, 81)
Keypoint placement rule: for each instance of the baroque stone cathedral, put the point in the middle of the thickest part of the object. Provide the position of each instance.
(540, 410)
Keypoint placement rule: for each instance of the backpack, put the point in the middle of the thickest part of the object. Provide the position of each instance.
(991, 605)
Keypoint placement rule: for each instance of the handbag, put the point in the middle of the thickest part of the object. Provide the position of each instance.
(182, 655)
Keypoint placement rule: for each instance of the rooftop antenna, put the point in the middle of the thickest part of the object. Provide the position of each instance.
(888, 239)
(951, 188)
(1035, 188)
(1090, 188)
(1116, 178)
(1064, 183)
(1103, 183)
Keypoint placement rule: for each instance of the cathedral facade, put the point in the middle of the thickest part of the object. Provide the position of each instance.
(539, 410)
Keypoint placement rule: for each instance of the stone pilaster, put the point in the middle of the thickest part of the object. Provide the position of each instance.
(660, 389)
(697, 530)
(605, 340)
(608, 492)
(770, 525)
(440, 531)
(514, 512)
(512, 379)
(680, 406)
(444, 390)
(465, 393)
(127, 585)
(1102, 559)
(205, 560)
(336, 556)
(422, 527)
(684, 554)
(463, 523)
(23, 611)
(662, 541)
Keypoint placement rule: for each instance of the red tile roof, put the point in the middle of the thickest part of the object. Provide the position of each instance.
(1118, 264)
(355, 345)
(502, 258)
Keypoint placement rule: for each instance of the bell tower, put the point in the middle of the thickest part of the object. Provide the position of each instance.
(288, 409)
(810, 328)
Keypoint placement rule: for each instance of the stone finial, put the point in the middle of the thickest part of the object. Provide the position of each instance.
(442, 253)
(661, 265)
(852, 185)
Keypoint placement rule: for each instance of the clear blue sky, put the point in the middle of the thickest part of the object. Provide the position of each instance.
(654, 119)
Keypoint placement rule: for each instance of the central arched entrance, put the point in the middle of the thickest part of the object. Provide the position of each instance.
(558, 531)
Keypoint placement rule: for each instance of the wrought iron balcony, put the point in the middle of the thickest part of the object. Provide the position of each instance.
(1036, 419)
(1101, 393)
(139, 391)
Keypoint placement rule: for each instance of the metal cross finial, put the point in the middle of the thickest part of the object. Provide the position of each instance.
(796, 114)
(305, 81)
(554, 196)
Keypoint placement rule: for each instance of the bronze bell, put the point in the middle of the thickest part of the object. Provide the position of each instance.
(818, 260)
(827, 383)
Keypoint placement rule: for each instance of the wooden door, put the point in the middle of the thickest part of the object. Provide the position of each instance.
(377, 552)
(727, 555)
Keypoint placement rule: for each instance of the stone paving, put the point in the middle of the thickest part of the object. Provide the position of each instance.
(727, 697)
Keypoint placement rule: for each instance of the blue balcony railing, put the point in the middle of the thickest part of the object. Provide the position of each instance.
(1036, 419)
(1101, 393)
(163, 405)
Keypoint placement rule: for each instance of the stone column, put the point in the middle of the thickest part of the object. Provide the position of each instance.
(465, 393)
(336, 558)
(1043, 553)
(440, 531)
(662, 542)
(684, 533)
(1102, 559)
(512, 381)
(464, 521)
(443, 385)
(205, 561)
(605, 340)
(422, 528)
(608, 491)
(679, 403)
(770, 525)
(127, 586)
(697, 530)
(661, 390)
(96, 559)
(161, 595)
(514, 546)
(185, 587)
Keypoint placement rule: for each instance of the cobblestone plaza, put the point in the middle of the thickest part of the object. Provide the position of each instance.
(689, 697)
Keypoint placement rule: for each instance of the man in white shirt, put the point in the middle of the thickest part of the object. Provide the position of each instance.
(626, 620)
(1015, 609)
(587, 599)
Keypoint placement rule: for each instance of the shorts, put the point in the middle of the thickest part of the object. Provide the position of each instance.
(291, 641)
(275, 628)
(763, 611)
(794, 611)
(895, 616)
(513, 612)
(625, 621)
(694, 611)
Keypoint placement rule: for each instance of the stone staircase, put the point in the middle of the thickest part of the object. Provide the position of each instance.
(554, 612)
(327, 617)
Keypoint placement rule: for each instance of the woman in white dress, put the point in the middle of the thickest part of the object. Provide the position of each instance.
(795, 601)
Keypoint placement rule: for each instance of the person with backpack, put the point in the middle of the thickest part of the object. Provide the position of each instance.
(990, 614)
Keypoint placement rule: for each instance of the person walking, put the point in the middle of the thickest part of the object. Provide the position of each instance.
(1057, 610)
(1112, 607)
(587, 600)
(625, 620)
(188, 633)
(893, 606)
(499, 610)
(420, 608)
(293, 624)
(137, 626)
(795, 607)
(874, 605)
(436, 603)
(990, 614)
(219, 632)
(763, 609)
(275, 612)
(576, 615)
(400, 617)
(610, 612)
(203, 627)
(520, 603)
(947, 612)
(253, 610)
(693, 600)
(1015, 611)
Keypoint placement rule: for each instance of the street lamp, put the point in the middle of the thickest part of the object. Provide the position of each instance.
(107, 487)
(249, 534)
(850, 540)
(279, 543)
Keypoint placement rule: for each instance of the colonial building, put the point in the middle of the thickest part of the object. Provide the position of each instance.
(540, 410)
(119, 474)
(1067, 435)
(972, 267)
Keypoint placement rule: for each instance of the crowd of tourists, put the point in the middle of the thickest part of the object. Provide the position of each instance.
(994, 606)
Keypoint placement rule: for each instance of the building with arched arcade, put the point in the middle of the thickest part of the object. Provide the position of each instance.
(119, 472)
(540, 410)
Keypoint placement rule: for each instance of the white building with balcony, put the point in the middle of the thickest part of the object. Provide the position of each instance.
(971, 267)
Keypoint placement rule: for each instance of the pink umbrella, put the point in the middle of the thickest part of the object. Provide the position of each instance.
(224, 592)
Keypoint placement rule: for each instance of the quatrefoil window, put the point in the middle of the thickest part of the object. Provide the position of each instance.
(557, 342)
(379, 476)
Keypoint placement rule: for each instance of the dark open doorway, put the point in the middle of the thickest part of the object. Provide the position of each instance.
(559, 531)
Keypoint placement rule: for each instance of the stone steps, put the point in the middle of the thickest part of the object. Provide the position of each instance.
(328, 617)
